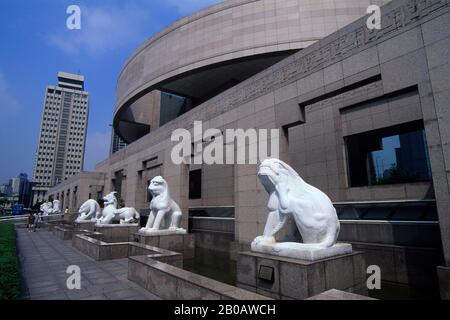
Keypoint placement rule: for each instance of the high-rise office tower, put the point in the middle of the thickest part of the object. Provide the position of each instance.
(62, 138)
(15, 186)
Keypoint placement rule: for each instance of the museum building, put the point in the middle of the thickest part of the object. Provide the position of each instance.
(363, 115)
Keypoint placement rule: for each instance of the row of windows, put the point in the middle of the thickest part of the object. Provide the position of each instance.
(78, 140)
(41, 153)
(77, 135)
(51, 107)
(74, 161)
(50, 118)
(44, 171)
(73, 153)
(75, 129)
(77, 132)
(76, 122)
(79, 118)
(52, 115)
(73, 168)
(43, 180)
(75, 145)
(69, 174)
(79, 109)
(47, 136)
(44, 165)
(46, 144)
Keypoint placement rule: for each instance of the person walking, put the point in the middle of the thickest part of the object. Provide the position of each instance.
(36, 221)
(31, 221)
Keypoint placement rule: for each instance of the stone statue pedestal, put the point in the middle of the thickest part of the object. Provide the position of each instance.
(288, 278)
(84, 225)
(163, 232)
(117, 232)
(300, 251)
(182, 242)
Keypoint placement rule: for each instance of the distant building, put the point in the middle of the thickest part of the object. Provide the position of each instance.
(24, 190)
(18, 190)
(4, 189)
(62, 138)
(15, 186)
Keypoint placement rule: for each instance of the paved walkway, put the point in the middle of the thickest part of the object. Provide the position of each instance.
(44, 260)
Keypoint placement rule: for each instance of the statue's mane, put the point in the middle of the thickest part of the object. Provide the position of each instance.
(113, 195)
(295, 179)
(166, 192)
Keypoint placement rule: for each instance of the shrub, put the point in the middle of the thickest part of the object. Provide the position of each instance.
(9, 274)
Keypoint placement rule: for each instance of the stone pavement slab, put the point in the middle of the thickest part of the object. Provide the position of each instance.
(44, 260)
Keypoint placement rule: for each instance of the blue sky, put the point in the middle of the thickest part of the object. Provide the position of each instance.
(36, 45)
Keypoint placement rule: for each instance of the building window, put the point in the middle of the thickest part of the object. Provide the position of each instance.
(195, 184)
(397, 154)
(173, 106)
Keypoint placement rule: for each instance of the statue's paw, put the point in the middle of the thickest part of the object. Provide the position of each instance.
(261, 240)
(256, 241)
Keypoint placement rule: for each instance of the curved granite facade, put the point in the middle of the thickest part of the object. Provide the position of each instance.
(232, 32)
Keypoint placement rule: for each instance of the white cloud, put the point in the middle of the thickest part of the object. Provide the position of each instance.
(103, 29)
(8, 104)
(110, 27)
(97, 149)
(186, 7)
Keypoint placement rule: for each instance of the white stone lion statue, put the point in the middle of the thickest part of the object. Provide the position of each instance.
(292, 199)
(49, 207)
(89, 211)
(56, 207)
(111, 214)
(165, 214)
(46, 208)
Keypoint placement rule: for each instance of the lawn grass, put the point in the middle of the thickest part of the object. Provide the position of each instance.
(9, 273)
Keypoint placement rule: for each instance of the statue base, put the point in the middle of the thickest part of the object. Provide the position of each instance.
(117, 232)
(286, 278)
(67, 232)
(163, 232)
(116, 225)
(84, 224)
(301, 251)
(179, 242)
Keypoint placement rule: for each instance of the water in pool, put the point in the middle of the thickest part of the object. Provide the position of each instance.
(213, 264)
(217, 265)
